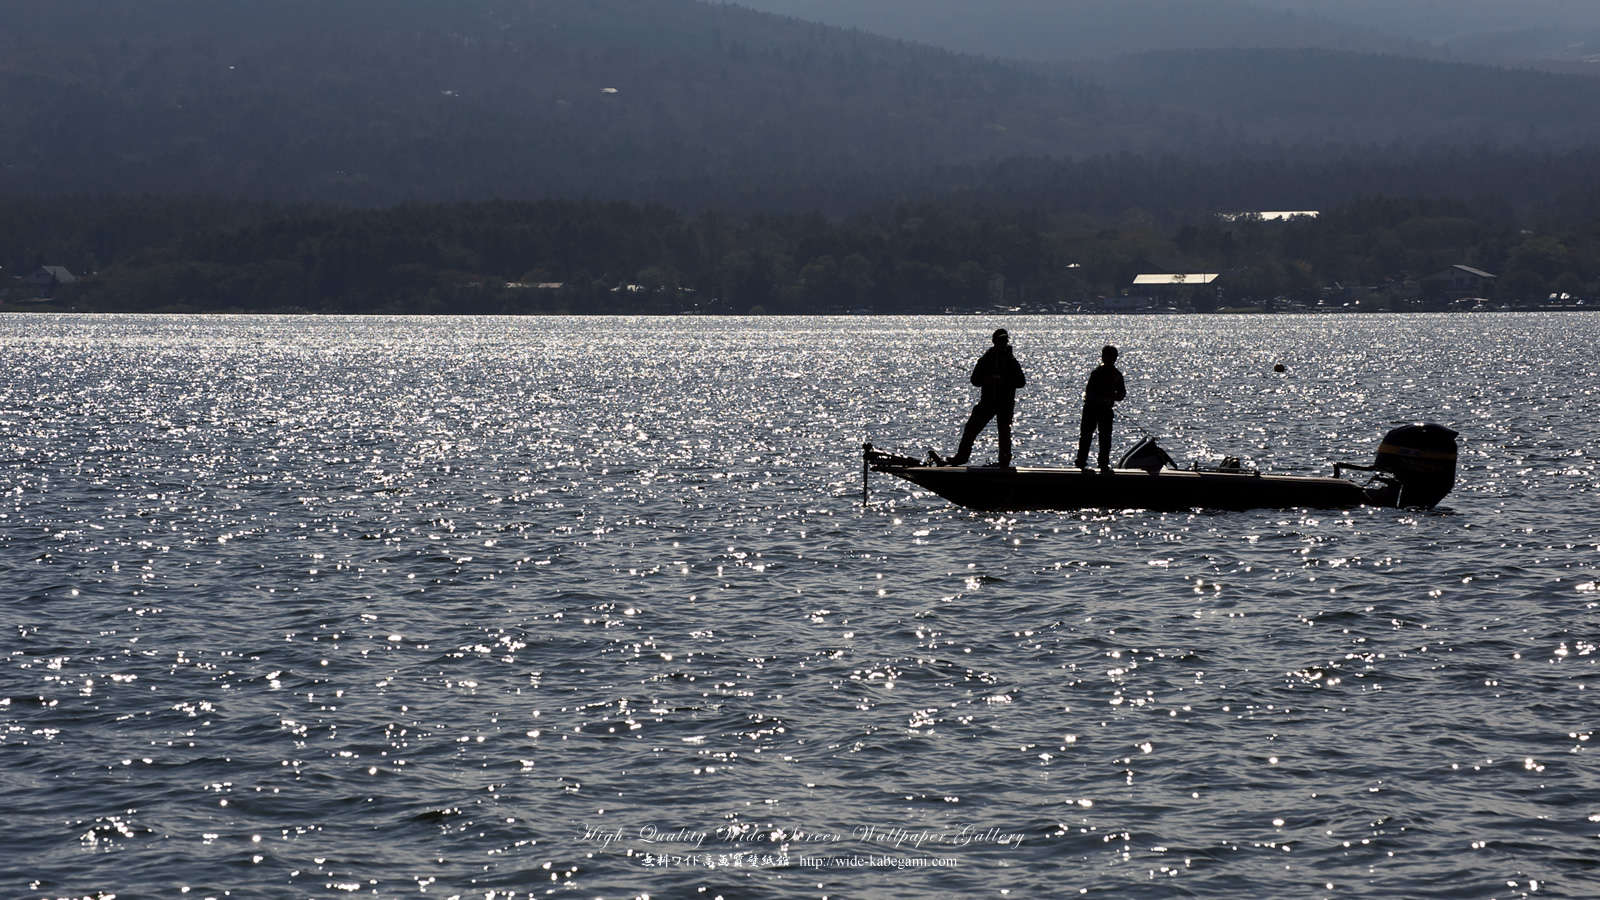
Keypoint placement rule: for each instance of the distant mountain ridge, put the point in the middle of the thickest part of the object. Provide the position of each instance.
(380, 100)
(1556, 34)
(1315, 96)
(1433, 21)
(371, 102)
(1057, 30)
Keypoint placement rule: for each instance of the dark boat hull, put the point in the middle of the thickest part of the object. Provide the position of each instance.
(992, 488)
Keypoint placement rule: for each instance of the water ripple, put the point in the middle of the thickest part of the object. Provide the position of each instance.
(500, 607)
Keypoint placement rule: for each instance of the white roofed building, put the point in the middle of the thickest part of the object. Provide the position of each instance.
(1200, 279)
(1177, 289)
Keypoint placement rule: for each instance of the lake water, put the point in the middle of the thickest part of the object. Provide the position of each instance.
(496, 608)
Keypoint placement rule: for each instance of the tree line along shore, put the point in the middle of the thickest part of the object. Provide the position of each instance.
(590, 257)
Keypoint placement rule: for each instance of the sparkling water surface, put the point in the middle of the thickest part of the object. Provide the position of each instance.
(303, 607)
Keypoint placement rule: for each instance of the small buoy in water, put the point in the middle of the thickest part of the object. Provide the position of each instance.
(1279, 368)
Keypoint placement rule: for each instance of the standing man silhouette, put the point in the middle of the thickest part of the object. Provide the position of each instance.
(999, 375)
(1104, 390)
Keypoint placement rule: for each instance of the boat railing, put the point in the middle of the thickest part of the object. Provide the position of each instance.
(1339, 468)
(877, 459)
(1230, 465)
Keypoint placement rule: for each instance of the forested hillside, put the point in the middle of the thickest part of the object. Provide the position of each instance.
(674, 155)
(970, 249)
(1312, 97)
(369, 101)
(690, 104)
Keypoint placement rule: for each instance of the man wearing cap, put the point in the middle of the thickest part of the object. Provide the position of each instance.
(999, 375)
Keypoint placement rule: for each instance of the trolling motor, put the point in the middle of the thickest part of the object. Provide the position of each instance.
(1416, 464)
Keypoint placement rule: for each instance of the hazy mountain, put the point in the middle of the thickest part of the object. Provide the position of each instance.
(1445, 20)
(1053, 30)
(378, 101)
(1561, 34)
(1317, 96)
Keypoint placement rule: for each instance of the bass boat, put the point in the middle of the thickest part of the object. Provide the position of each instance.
(1415, 467)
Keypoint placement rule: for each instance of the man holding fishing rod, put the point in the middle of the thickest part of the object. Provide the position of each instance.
(999, 376)
(1105, 389)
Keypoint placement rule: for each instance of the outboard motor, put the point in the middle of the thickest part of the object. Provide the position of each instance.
(1422, 458)
(1146, 455)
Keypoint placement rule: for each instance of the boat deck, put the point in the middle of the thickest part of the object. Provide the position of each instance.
(993, 488)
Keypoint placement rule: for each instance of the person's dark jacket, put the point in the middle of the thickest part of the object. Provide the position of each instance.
(999, 375)
(1105, 387)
